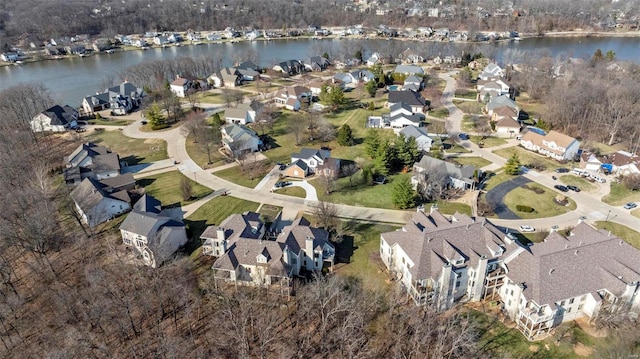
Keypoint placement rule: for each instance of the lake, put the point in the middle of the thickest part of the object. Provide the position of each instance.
(72, 79)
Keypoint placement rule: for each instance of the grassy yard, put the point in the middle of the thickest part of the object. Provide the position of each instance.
(456, 148)
(629, 235)
(200, 157)
(166, 188)
(535, 109)
(235, 175)
(580, 182)
(543, 203)
(471, 107)
(360, 250)
(269, 212)
(131, 150)
(527, 157)
(479, 162)
(488, 141)
(292, 191)
(376, 196)
(218, 97)
(217, 210)
(466, 93)
(451, 207)
(439, 112)
(496, 180)
(620, 195)
(109, 122)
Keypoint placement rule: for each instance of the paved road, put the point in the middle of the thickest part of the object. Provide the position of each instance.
(496, 197)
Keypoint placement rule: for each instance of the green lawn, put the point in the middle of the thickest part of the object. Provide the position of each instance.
(440, 112)
(376, 196)
(200, 157)
(269, 212)
(451, 207)
(620, 195)
(466, 93)
(292, 191)
(479, 162)
(166, 188)
(526, 157)
(109, 122)
(235, 175)
(456, 148)
(580, 182)
(131, 150)
(471, 107)
(543, 203)
(217, 97)
(217, 210)
(629, 235)
(362, 247)
(496, 180)
(488, 141)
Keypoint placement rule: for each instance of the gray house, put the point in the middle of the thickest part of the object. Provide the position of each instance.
(90, 161)
(450, 174)
(95, 204)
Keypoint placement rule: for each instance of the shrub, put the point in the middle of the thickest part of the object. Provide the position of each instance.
(159, 126)
(523, 208)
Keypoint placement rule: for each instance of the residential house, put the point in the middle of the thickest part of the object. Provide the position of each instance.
(441, 260)
(243, 113)
(291, 67)
(488, 89)
(414, 99)
(565, 278)
(213, 37)
(121, 99)
(554, 144)
(96, 205)
(354, 78)
(315, 86)
(175, 38)
(180, 86)
(307, 162)
(444, 174)
(90, 161)
(10, 56)
(249, 65)
(506, 122)
(500, 101)
(75, 49)
(421, 136)
(591, 161)
(437, 60)
(254, 261)
(247, 74)
(55, 119)
(238, 140)
(402, 115)
(409, 70)
(491, 70)
(217, 239)
(161, 40)
(413, 83)
(156, 234)
(316, 63)
(292, 97)
(409, 56)
(374, 59)
(625, 163)
(227, 77)
(54, 51)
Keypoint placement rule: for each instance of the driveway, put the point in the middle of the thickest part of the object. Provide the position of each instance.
(312, 195)
(495, 197)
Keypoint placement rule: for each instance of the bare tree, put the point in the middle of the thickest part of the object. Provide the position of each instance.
(327, 214)
(186, 188)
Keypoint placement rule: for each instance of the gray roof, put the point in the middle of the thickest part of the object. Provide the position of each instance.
(61, 115)
(415, 132)
(295, 235)
(300, 163)
(433, 240)
(413, 79)
(408, 69)
(246, 225)
(499, 101)
(148, 204)
(453, 170)
(239, 133)
(119, 181)
(90, 192)
(125, 89)
(585, 262)
(239, 111)
(248, 72)
(248, 65)
(306, 153)
(409, 97)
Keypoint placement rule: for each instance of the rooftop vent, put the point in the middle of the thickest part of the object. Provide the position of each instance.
(551, 271)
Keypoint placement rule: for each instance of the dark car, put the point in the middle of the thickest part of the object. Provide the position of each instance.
(574, 188)
(562, 170)
(282, 184)
(561, 188)
(463, 136)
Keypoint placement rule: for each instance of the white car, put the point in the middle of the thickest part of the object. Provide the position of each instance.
(527, 229)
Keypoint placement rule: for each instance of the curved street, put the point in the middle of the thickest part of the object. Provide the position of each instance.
(588, 205)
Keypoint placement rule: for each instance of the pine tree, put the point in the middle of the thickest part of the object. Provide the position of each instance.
(372, 143)
(408, 152)
(512, 167)
(372, 87)
(385, 158)
(403, 195)
(155, 116)
(345, 136)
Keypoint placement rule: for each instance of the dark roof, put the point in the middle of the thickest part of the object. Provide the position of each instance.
(306, 153)
(61, 115)
(300, 163)
(248, 65)
(148, 204)
(90, 192)
(409, 97)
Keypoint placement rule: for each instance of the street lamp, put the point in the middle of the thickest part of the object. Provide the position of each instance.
(607, 219)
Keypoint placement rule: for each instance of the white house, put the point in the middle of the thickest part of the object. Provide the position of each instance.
(625, 163)
(180, 86)
(156, 234)
(245, 258)
(421, 136)
(292, 97)
(409, 56)
(374, 59)
(554, 144)
(441, 260)
(96, 205)
(312, 157)
(402, 115)
(565, 278)
(55, 119)
(506, 121)
(411, 98)
(238, 140)
(243, 113)
(491, 70)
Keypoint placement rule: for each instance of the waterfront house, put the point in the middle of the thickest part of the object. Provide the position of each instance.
(90, 161)
(55, 119)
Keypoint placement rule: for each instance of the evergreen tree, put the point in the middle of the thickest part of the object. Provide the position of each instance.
(372, 143)
(385, 158)
(332, 96)
(542, 124)
(371, 88)
(216, 119)
(512, 167)
(610, 55)
(403, 195)
(597, 56)
(345, 136)
(408, 152)
(155, 116)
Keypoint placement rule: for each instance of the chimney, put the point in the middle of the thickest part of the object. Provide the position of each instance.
(434, 207)
(309, 246)
(220, 234)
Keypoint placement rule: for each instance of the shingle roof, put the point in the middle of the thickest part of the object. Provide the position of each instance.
(148, 204)
(565, 267)
(499, 101)
(90, 192)
(246, 225)
(409, 69)
(552, 136)
(61, 115)
(415, 132)
(306, 153)
(453, 170)
(408, 97)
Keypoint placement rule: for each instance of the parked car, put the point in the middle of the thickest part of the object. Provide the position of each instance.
(527, 229)
(463, 136)
(562, 170)
(630, 205)
(282, 184)
(561, 188)
(574, 188)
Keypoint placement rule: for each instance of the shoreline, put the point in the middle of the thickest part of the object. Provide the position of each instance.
(523, 36)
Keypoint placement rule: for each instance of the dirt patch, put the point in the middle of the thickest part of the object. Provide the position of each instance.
(591, 329)
(534, 348)
(582, 350)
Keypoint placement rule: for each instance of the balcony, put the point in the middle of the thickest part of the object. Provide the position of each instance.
(535, 315)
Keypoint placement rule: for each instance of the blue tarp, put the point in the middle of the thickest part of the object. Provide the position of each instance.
(607, 167)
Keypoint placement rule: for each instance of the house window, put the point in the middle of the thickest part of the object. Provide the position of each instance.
(248, 270)
(571, 301)
(294, 261)
(457, 284)
(139, 243)
(580, 306)
(509, 303)
(403, 260)
(316, 255)
(126, 240)
(583, 298)
(569, 310)
(511, 292)
(562, 303)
